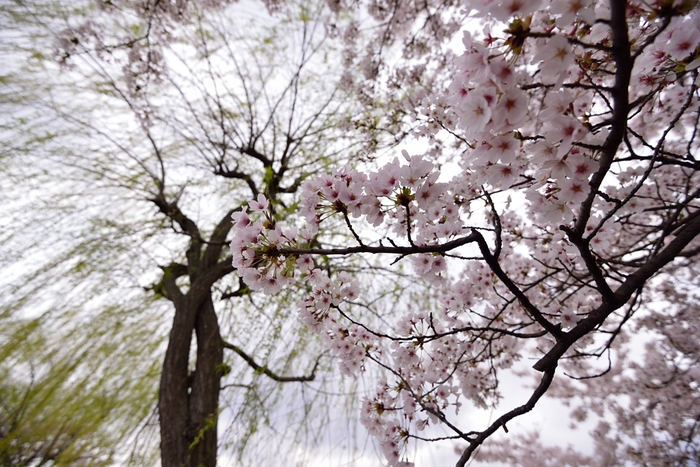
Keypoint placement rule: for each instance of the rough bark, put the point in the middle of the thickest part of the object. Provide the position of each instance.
(173, 401)
(188, 403)
(204, 397)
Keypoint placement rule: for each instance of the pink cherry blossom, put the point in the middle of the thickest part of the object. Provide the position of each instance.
(260, 205)
(684, 41)
(555, 56)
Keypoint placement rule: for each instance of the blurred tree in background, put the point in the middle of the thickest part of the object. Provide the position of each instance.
(120, 171)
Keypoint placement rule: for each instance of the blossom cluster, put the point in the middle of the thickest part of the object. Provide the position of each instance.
(407, 197)
(513, 141)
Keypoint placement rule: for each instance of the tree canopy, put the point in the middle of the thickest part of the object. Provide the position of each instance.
(348, 187)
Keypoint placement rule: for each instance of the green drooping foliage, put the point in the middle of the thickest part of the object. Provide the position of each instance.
(74, 396)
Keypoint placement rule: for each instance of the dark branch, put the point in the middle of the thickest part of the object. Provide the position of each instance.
(269, 373)
(474, 443)
(396, 250)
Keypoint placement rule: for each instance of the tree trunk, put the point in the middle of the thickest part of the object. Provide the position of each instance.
(173, 400)
(188, 404)
(204, 397)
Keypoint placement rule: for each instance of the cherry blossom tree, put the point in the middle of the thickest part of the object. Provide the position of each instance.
(130, 134)
(554, 216)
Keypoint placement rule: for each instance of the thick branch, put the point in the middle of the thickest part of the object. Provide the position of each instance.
(633, 282)
(241, 291)
(474, 237)
(611, 302)
(584, 249)
(501, 422)
(173, 212)
(531, 309)
(396, 250)
(235, 174)
(620, 95)
(201, 287)
(252, 152)
(216, 241)
(170, 275)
